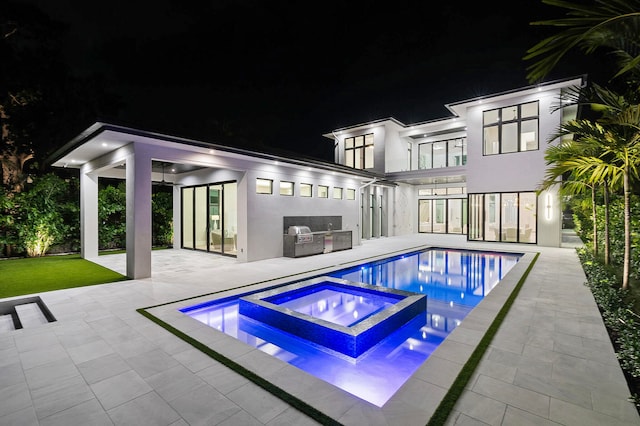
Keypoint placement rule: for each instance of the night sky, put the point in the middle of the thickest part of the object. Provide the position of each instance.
(284, 73)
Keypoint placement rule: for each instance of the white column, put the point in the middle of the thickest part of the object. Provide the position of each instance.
(139, 212)
(88, 214)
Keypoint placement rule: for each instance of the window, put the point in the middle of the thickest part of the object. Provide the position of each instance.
(511, 129)
(446, 153)
(305, 189)
(359, 151)
(507, 217)
(337, 193)
(351, 194)
(323, 191)
(264, 186)
(286, 188)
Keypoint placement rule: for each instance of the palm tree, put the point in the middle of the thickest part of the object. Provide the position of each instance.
(560, 170)
(616, 134)
(613, 25)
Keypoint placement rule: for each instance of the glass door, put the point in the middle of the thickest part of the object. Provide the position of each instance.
(215, 218)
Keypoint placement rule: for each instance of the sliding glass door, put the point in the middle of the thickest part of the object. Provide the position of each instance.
(209, 218)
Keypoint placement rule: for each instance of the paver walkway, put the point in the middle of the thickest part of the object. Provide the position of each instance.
(102, 363)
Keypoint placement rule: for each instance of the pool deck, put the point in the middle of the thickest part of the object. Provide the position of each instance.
(101, 362)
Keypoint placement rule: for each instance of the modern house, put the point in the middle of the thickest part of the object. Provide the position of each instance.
(474, 173)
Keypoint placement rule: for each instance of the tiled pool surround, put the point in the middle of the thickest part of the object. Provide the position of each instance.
(418, 397)
(374, 312)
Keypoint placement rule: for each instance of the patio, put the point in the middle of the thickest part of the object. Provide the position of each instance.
(102, 362)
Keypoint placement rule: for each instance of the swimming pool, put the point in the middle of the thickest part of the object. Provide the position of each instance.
(454, 281)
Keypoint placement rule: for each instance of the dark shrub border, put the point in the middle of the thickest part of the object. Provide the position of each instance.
(621, 321)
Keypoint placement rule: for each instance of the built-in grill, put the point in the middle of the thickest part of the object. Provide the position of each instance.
(299, 240)
(302, 233)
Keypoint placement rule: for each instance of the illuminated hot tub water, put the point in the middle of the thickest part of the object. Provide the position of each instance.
(363, 329)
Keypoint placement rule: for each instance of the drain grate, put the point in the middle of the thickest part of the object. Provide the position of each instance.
(25, 312)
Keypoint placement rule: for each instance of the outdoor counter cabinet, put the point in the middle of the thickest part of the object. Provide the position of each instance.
(309, 243)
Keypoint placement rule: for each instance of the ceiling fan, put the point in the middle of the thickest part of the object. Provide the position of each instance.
(164, 182)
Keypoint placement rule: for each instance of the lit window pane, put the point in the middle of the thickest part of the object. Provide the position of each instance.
(424, 154)
(305, 189)
(286, 188)
(337, 193)
(527, 212)
(423, 192)
(323, 191)
(264, 186)
(349, 159)
(529, 110)
(348, 143)
(490, 117)
(529, 135)
(368, 157)
(491, 141)
(351, 194)
(439, 155)
(359, 141)
(510, 113)
(510, 137)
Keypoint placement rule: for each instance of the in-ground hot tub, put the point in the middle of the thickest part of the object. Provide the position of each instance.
(340, 315)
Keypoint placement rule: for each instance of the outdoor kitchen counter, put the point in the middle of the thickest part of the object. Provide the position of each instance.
(322, 242)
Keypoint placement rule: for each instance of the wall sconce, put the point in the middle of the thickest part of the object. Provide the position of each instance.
(548, 206)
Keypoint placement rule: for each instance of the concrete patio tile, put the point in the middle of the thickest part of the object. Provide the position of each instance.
(289, 417)
(454, 351)
(102, 368)
(56, 371)
(149, 363)
(174, 382)
(14, 398)
(26, 342)
(86, 413)
(481, 408)
(398, 412)
(241, 418)
(261, 404)
(148, 409)
(222, 378)
(11, 374)
(60, 395)
(86, 352)
(42, 356)
(569, 414)
(204, 405)
(516, 396)
(194, 359)
(614, 405)
(516, 416)
(24, 417)
(420, 394)
(119, 389)
(575, 394)
(439, 371)
(461, 419)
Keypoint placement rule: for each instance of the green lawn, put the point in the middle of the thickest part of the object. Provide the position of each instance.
(35, 275)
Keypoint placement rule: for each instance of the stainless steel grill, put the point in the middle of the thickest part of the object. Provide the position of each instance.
(303, 233)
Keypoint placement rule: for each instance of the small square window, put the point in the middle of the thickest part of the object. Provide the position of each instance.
(337, 193)
(351, 194)
(323, 191)
(305, 189)
(264, 186)
(286, 188)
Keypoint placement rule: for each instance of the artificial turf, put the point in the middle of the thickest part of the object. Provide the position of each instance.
(40, 274)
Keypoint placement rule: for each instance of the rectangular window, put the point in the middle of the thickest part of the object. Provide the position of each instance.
(337, 193)
(351, 194)
(423, 192)
(323, 191)
(264, 186)
(511, 129)
(506, 217)
(446, 153)
(359, 151)
(305, 189)
(286, 188)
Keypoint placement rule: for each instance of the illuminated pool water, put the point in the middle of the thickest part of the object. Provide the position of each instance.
(454, 281)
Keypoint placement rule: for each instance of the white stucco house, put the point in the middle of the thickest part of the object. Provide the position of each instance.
(474, 173)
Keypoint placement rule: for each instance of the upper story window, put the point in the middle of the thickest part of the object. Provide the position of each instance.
(447, 153)
(511, 129)
(359, 151)
(264, 186)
